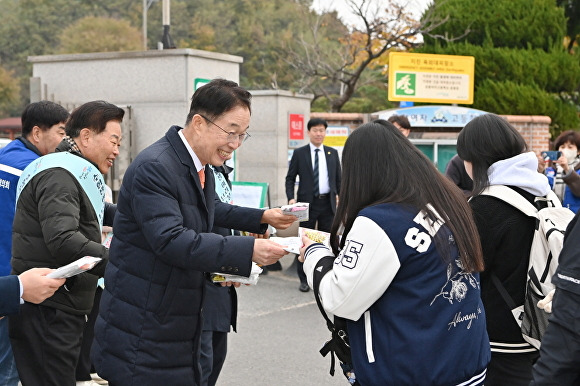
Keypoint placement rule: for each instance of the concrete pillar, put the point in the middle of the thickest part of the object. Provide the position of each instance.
(264, 157)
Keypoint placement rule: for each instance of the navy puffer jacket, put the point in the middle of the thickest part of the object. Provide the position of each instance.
(149, 323)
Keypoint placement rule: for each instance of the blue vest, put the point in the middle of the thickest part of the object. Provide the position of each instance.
(14, 157)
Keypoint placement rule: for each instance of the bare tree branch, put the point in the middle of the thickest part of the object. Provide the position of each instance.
(334, 69)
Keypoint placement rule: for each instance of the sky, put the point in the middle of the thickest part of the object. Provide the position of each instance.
(344, 12)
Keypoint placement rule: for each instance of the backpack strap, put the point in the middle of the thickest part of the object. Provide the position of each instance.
(322, 267)
(516, 200)
(503, 292)
(511, 197)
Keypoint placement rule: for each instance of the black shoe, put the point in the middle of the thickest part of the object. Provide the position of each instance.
(304, 287)
(277, 266)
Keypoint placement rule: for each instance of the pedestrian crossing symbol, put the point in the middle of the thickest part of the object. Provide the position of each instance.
(405, 84)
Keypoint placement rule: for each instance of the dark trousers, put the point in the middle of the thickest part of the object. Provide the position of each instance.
(214, 346)
(321, 213)
(46, 343)
(510, 369)
(84, 365)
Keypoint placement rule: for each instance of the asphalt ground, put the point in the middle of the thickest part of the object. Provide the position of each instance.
(280, 331)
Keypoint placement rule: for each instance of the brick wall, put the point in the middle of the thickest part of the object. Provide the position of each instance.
(534, 128)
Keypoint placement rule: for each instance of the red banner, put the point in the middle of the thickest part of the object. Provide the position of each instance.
(296, 126)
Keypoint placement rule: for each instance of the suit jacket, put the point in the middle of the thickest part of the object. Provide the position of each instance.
(301, 165)
(149, 324)
(9, 295)
(220, 308)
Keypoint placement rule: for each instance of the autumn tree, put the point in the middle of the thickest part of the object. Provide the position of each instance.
(100, 34)
(334, 69)
(9, 89)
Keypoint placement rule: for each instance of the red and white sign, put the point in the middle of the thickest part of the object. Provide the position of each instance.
(296, 126)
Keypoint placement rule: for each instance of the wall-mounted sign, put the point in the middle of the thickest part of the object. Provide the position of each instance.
(336, 136)
(198, 82)
(431, 78)
(250, 194)
(434, 116)
(296, 126)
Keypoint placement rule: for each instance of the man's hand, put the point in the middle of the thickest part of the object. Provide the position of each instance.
(36, 286)
(563, 162)
(277, 219)
(305, 243)
(231, 284)
(266, 235)
(292, 201)
(267, 252)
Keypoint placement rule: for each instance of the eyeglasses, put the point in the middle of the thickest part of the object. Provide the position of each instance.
(232, 137)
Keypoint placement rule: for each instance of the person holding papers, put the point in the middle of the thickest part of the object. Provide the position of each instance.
(31, 286)
(59, 214)
(149, 327)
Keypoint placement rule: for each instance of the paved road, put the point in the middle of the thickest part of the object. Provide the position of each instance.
(280, 331)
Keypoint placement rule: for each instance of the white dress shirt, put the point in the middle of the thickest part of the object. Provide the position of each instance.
(323, 182)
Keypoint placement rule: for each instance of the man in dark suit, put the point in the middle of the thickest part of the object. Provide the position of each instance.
(149, 327)
(318, 169)
(221, 303)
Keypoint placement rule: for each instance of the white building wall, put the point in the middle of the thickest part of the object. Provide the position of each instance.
(155, 88)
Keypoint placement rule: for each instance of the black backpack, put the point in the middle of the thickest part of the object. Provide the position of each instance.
(338, 345)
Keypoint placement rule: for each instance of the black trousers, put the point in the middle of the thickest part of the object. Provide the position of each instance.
(510, 369)
(84, 365)
(214, 347)
(46, 343)
(320, 213)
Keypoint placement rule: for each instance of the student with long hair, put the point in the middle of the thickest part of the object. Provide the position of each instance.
(405, 275)
(495, 153)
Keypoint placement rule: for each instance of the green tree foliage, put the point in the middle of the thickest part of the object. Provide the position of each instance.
(536, 66)
(259, 31)
(100, 34)
(506, 23)
(9, 91)
(521, 63)
(284, 43)
(33, 27)
(368, 99)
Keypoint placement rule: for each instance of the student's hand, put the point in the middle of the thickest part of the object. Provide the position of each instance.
(36, 286)
(306, 242)
(277, 219)
(267, 252)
